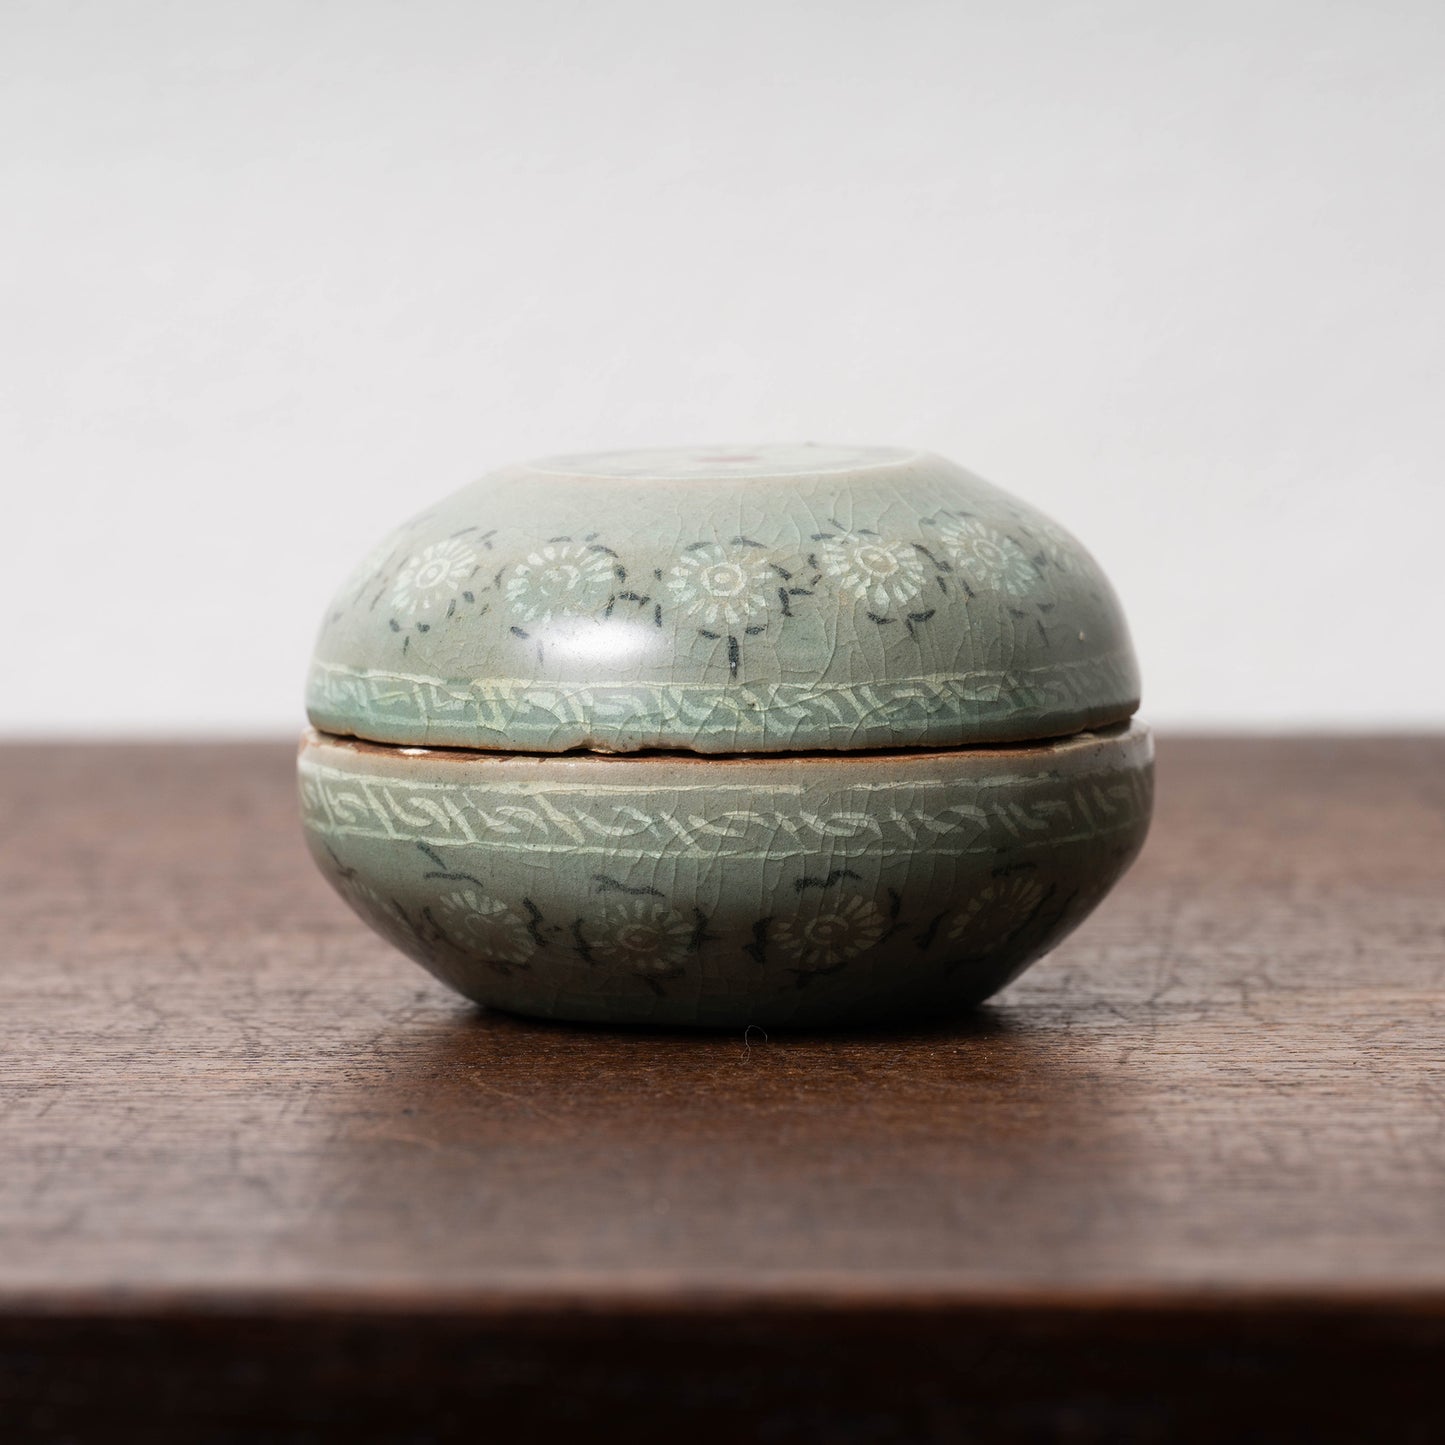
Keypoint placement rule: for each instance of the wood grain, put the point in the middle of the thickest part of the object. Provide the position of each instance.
(261, 1179)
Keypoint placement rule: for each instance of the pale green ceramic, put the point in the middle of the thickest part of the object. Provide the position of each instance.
(688, 890)
(725, 601)
(883, 645)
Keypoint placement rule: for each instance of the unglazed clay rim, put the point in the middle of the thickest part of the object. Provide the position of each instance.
(1125, 731)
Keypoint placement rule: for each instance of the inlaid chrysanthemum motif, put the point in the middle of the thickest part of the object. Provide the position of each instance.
(471, 919)
(882, 574)
(431, 578)
(986, 556)
(639, 934)
(842, 928)
(725, 588)
(562, 579)
(998, 907)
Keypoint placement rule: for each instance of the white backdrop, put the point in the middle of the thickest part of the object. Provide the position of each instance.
(276, 274)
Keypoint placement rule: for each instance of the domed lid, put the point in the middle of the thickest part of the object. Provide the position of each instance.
(768, 599)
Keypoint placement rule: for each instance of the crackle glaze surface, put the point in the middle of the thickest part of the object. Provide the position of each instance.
(767, 600)
(678, 890)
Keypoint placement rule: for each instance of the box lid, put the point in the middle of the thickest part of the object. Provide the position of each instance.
(732, 599)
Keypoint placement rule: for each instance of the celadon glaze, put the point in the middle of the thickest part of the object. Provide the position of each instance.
(679, 889)
(722, 736)
(725, 600)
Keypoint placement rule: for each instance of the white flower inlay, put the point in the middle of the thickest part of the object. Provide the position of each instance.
(472, 919)
(722, 588)
(562, 579)
(986, 556)
(882, 574)
(1002, 905)
(841, 929)
(638, 933)
(433, 575)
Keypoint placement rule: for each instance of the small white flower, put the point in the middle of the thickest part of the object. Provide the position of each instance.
(998, 907)
(638, 933)
(988, 557)
(882, 574)
(562, 579)
(432, 576)
(721, 588)
(474, 921)
(842, 928)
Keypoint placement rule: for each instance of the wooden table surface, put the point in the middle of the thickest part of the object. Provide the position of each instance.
(261, 1178)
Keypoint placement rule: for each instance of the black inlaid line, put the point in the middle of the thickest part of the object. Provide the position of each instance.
(758, 948)
(583, 948)
(925, 939)
(608, 884)
(834, 876)
(700, 935)
(534, 923)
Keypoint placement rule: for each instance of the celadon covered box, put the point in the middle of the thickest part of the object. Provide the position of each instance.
(725, 736)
